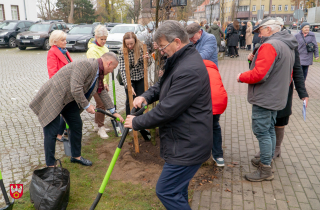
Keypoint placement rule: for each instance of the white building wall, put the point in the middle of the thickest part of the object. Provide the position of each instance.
(31, 9)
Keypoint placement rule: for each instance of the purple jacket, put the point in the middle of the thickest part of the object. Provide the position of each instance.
(306, 58)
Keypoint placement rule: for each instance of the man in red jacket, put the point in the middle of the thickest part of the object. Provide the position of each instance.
(269, 79)
(219, 99)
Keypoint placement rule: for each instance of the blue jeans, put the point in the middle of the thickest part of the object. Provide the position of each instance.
(172, 186)
(217, 138)
(263, 121)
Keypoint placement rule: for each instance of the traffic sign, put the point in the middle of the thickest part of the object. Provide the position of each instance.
(298, 14)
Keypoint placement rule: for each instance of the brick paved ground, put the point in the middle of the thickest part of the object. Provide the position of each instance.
(296, 184)
(22, 73)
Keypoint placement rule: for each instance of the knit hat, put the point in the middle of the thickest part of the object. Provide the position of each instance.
(303, 25)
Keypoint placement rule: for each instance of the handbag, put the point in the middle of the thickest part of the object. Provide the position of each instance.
(50, 188)
(119, 78)
(310, 45)
(222, 48)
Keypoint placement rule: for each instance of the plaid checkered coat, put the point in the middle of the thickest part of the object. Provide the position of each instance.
(70, 83)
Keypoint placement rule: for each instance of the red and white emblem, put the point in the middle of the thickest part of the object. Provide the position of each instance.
(16, 190)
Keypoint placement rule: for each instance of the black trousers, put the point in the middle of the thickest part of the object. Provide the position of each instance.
(71, 114)
(138, 87)
(242, 42)
(233, 50)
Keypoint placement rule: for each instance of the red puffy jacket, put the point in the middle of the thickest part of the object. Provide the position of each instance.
(219, 95)
(56, 60)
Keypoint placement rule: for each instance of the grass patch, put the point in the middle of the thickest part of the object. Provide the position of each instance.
(86, 181)
(314, 60)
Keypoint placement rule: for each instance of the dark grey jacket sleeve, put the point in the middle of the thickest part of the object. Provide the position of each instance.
(184, 90)
(297, 76)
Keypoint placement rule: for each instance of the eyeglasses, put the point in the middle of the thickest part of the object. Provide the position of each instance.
(261, 29)
(161, 49)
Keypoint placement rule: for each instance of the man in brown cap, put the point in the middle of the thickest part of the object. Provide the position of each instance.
(205, 43)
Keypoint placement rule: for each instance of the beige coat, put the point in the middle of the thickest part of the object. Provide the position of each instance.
(69, 84)
(249, 36)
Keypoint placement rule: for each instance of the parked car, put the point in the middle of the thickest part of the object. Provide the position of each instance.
(111, 25)
(70, 25)
(9, 30)
(38, 35)
(294, 26)
(115, 38)
(79, 36)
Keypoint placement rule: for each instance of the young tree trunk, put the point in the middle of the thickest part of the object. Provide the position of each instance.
(70, 18)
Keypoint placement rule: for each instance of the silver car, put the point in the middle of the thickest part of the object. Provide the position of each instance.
(115, 37)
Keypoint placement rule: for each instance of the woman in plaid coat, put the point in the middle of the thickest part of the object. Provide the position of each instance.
(134, 46)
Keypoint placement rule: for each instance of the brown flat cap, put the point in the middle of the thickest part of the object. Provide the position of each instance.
(192, 29)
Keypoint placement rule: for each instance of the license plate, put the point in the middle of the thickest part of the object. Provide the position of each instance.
(25, 41)
(113, 46)
(69, 45)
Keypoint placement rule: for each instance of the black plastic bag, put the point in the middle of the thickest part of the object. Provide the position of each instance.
(50, 188)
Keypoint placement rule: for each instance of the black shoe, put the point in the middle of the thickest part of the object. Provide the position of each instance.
(65, 133)
(82, 161)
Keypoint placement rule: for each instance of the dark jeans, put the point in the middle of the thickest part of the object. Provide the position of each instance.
(242, 42)
(305, 71)
(263, 121)
(233, 50)
(217, 151)
(71, 114)
(62, 126)
(138, 87)
(172, 186)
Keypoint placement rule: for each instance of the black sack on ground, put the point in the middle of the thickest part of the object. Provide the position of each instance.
(50, 188)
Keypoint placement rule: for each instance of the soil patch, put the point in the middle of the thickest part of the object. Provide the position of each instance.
(145, 167)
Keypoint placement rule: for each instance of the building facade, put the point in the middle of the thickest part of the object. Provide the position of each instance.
(213, 11)
(18, 10)
(200, 13)
(248, 9)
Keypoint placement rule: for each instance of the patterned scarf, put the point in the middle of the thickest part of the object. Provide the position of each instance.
(63, 51)
(101, 75)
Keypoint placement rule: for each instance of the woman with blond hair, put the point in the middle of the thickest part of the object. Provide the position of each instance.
(134, 47)
(249, 35)
(58, 56)
(96, 48)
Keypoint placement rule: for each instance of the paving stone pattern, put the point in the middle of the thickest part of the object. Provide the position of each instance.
(297, 171)
(22, 73)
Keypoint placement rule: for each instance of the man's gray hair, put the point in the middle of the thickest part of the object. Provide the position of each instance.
(171, 29)
(110, 56)
(274, 28)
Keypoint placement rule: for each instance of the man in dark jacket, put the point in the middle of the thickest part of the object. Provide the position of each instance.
(269, 80)
(256, 39)
(183, 114)
(243, 35)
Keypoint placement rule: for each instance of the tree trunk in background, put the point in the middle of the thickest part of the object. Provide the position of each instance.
(108, 10)
(70, 18)
(112, 11)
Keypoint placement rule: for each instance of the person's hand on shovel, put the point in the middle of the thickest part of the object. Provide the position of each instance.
(118, 116)
(128, 122)
(138, 101)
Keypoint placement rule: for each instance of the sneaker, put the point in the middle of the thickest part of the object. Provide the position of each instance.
(219, 161)
(95, 127)
(256, 162)
(102, 133)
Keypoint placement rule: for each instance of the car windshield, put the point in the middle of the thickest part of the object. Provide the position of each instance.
(8, 25)
(121, 29)
(39, 27)
(81, 30)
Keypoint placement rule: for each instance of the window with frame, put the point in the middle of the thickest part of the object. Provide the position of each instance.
(285, 7)
(291, 19)
(292, 8)
(285, 18)
(262, 7)
(15, 12)
(254, 18)
(279, 7)
(1, 12)
(273, 7)
(253, 8)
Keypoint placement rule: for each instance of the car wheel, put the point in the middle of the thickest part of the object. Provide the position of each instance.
(22, 48)
(46, 45)
(12, 42)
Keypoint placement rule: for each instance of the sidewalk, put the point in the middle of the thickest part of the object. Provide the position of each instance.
(296, 184)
